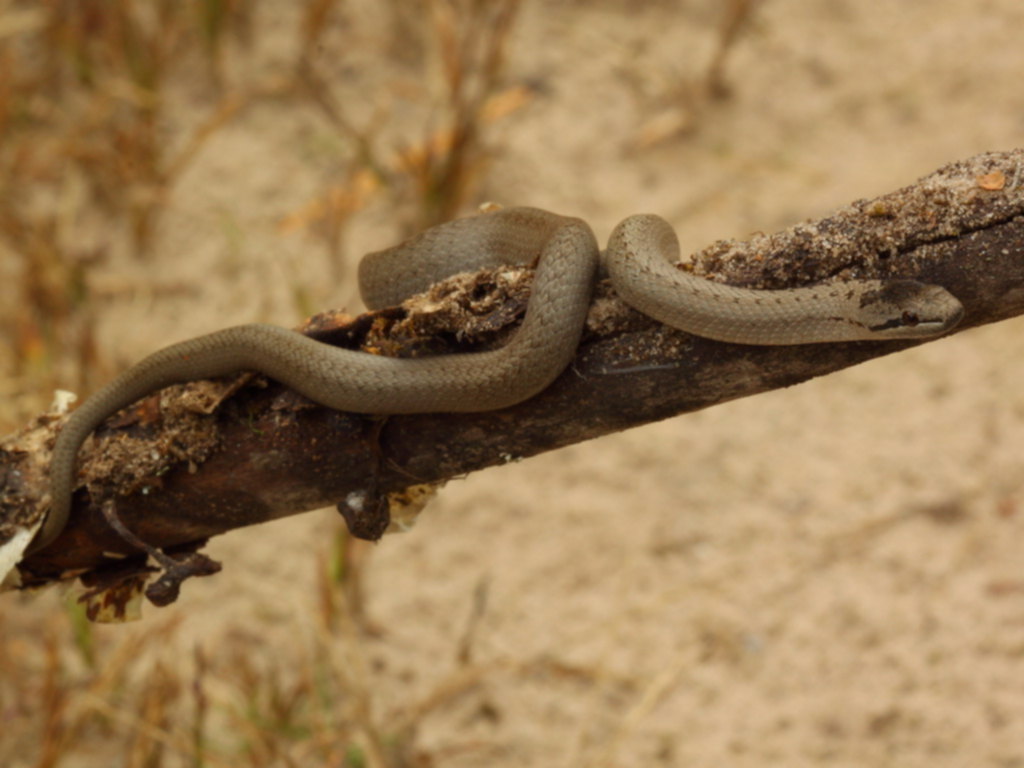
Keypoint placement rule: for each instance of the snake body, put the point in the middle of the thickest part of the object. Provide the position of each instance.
(568, 260)
(641, 257)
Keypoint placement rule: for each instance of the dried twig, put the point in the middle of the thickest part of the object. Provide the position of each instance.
(265, 453)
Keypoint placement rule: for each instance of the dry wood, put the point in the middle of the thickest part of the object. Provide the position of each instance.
(265, 453)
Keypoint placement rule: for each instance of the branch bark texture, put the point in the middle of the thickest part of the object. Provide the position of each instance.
(205, 458)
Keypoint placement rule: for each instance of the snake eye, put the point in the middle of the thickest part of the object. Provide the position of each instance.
(910, 319)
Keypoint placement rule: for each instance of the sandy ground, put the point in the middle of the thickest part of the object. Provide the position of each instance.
(824, 575)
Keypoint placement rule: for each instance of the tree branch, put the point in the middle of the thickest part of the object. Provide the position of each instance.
(259, 452)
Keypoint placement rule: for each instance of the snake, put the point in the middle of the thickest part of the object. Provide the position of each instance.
(639, 260)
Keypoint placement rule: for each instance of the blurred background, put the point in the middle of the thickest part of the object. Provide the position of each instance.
(829, 573)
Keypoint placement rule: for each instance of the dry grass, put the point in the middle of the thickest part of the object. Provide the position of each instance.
(104, 105)
(684, 106)
(94, 140)
(711, 633)
(124, 700)
(92, 146)
(459, 46)
(85, 163)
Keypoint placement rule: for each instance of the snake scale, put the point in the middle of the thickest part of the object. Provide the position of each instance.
(639, 260)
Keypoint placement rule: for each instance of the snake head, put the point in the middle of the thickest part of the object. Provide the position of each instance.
(907, 309)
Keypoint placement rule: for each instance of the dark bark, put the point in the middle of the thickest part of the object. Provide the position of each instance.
(265, 453)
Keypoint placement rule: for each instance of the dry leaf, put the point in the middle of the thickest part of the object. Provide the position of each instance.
(992, 181)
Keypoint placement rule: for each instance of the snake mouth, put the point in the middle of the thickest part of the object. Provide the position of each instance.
(911, 325)
(954, 320)
(947, 322)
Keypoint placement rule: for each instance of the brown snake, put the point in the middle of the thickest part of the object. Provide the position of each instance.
(639, 261)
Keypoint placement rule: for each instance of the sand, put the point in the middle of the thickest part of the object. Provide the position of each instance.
(829, 574)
